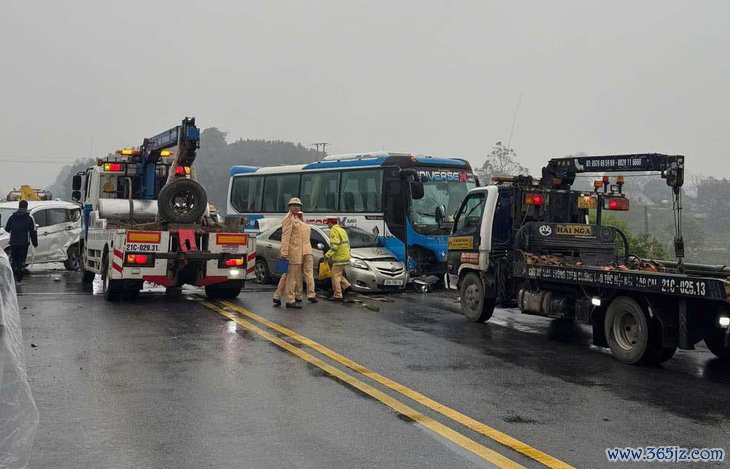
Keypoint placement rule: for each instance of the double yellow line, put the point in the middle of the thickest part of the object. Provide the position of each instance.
(235, 313)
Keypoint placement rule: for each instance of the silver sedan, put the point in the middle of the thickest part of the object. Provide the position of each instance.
(372, 268)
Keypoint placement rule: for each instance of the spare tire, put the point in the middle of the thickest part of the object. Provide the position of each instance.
(182, 201)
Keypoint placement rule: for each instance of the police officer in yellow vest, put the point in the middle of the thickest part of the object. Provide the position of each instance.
(339, 256)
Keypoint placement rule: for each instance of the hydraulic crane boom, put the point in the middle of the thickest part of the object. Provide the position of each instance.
(186, 137)
(563, 170)
(560, 174)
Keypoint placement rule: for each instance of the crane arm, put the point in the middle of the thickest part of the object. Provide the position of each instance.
(562, 171)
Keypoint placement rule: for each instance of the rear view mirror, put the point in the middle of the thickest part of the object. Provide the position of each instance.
(76, 196)
(416, 190)
(76, 183)
(440, 215)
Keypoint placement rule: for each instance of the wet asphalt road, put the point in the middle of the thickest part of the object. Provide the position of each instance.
(167, 382)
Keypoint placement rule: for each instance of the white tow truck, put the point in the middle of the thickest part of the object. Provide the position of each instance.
(145, 219)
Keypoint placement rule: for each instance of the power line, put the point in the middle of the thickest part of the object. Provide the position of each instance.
(34, 161)
(323, 145)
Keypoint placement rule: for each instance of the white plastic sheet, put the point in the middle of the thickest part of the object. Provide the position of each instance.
(18, 412)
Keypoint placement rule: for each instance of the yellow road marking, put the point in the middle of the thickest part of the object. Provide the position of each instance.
(425, 401)
(446, 432)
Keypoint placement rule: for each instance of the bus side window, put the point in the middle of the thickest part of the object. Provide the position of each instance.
(361, 191)
(278, 190)
(320, 191)
(246, 193)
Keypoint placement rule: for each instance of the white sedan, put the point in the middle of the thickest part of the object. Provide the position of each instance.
(58, 225)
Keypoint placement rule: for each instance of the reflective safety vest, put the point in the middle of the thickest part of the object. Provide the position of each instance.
(339, 246)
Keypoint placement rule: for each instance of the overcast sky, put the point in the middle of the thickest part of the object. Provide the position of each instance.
(433, 77)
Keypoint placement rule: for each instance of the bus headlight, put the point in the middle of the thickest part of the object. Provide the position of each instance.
(359, 263)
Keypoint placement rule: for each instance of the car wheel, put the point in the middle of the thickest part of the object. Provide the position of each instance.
(262, 271)
(73, 258)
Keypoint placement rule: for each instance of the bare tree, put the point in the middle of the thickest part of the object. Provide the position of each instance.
(501, 161)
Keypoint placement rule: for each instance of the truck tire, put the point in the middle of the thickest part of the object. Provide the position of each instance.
(263, 276)
(715, 341)
(628, 333)
(224, 291)
(73, 258)
(113, 289)
(182, 201)
(87, 276)
(475, 306)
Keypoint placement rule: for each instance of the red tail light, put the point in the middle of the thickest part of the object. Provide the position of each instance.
(616, 203)
(534, 199)
(182, 170)
(116, 167)
(139, 259)
(234, 262)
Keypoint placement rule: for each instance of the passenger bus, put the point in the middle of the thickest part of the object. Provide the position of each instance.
(407, 200)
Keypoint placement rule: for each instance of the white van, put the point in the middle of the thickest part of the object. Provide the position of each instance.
(59, 228)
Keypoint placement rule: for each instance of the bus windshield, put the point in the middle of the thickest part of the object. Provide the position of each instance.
(358, 238)
(445, 194)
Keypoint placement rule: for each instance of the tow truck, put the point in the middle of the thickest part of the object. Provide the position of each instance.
(146, 219)
(541, 245)
(28, 193)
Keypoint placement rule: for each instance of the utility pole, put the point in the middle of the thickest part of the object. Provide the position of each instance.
(323, 145)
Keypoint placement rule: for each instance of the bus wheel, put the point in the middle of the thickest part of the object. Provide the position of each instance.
(627, 332)
(474, 305)
(715, 341)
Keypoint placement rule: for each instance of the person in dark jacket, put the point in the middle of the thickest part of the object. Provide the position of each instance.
(21, 227)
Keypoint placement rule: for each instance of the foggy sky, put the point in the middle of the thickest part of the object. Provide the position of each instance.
(433, 77)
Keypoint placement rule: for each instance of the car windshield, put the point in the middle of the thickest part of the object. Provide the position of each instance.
(5, 214)
(358, 238)
(446, 194)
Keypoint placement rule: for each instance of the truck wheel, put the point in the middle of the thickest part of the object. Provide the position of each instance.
(474, 305)
(224, 291)
(627, 332)
(263, 275)
(715, 341)
(73, 258)
(182, 201)
(87, 276)
(132, 290)
(112, 289)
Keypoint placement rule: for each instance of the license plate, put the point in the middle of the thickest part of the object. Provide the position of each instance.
(393, 282)
(141, 247)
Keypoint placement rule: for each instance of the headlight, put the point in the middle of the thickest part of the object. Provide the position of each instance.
(359, 263)
(724, 321)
